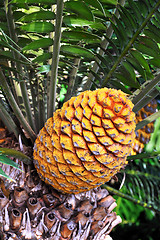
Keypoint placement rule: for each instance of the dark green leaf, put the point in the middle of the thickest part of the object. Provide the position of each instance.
(96, 4)
(124, 77)
(18, 15)
(23, 41)
(80, 8)
(128, 20)
(40, 15)
(153, 35)
(130, 69)
(2, 15)
(137, 66)
(155, 62)
(121, 31)
(97, 77)
(3, 66)
(98, 26)
(150, 43)
(33, 1)
(139, 57)
(102, 59)
(4, 27)
(8, 161)
(146, 50)
(127, 76)
(136, 11)
(75, 21)
(81, 36)
(118, 33)
(42, 58)
(16, 154)
(38, 27)
(40, 43)
(118, 85)
(144, 7)
(144, 155)
(77, 51)
(8, 55)
(113, 45)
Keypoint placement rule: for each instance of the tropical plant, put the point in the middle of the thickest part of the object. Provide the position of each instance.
(52, 50)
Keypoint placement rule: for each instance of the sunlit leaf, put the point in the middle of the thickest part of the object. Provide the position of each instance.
(112, 2)
(80, 8)
(40, 15)
(41, 43)
(77, 51)
(81, 36)
(38, 27)
(44, 69)
(75, 21)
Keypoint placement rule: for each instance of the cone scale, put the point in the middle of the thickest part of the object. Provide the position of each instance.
(86, 142)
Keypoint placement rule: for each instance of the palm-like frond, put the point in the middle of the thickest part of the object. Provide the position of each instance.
(141, 184)
(132, 47)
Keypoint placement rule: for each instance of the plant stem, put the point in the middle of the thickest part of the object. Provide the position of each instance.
(15, 107)
(104, 45)
(41, 110)
(32, 82)
(72, 79)
(136, 201)
(146, 91)
(129, 45)
(144, 155)
(23, 87)
(147, 120)
(152, 95)
(6, 118)
(55, 58)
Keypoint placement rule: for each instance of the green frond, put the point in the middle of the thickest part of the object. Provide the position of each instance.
(141, 184)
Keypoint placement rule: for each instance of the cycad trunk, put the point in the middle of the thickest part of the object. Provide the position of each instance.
(34, 210)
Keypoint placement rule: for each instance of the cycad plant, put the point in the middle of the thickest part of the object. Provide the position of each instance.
(50, 51)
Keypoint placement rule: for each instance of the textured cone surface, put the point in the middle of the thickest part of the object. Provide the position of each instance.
(143, 134)
(86, 142)
(34, 210)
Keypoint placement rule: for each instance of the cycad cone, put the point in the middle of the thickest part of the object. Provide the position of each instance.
(86, 142)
